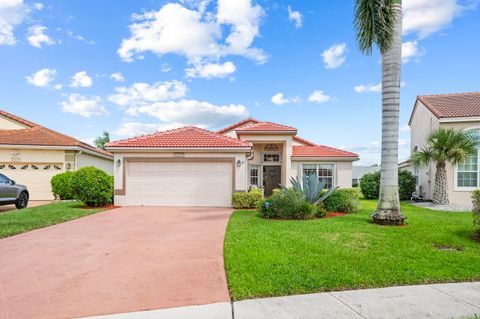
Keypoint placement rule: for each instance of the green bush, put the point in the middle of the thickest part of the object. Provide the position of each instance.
(476, 210)
(287, 204)
(407, 184)
(62, 185)
(92, 186)
(343, 200)
(370, 185)
(252, 199)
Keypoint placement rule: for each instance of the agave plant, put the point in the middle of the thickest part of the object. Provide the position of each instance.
(311, 188)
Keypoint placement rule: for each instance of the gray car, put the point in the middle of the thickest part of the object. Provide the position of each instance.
(13, 193)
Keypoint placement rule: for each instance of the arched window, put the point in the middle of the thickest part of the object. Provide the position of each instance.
(467, 172)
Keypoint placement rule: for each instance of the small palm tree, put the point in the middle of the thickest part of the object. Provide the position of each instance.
(444, 145)
(380, 22)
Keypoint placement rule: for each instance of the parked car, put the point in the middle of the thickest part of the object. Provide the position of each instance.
(13, 193)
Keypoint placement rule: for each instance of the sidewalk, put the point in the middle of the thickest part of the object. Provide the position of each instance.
(457, 300)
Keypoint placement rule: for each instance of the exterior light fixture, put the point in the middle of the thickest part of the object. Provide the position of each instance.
(118, 162)
(68, 166)
(239, 163)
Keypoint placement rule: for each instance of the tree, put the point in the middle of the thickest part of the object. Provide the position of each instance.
(380, 22)
(444, 145)
(102, 140)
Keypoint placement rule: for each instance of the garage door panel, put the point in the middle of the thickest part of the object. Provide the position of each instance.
(179, 183)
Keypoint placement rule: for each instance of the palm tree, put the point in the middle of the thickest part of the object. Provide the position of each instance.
(102, 140)
(445, 145)
(380, 22)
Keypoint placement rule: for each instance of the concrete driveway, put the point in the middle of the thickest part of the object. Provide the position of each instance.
(126, 259)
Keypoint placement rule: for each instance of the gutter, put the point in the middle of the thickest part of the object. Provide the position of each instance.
(60, 148)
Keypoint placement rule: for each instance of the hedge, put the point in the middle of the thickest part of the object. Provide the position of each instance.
(370, 185)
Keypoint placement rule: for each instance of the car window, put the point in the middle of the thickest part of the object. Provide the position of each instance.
(3, 179)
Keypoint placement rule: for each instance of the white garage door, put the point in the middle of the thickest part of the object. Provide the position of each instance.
(35, 176)
(179, 183)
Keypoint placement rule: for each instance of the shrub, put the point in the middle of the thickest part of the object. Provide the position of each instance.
(92, 186)
(407, 184)
(252, 199)
(62, 185)
(476, 210)
(343, 200)
(370, 185)
(287, 204)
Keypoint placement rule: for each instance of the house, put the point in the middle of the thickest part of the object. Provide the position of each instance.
(31, 154)
(457, 111)
(359, 171)
(191, 166)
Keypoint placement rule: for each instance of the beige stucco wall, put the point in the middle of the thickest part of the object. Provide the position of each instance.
(7, 124)
(84, 159)
(343, 171)
(31, 155)
(240, 172)
(422, 124)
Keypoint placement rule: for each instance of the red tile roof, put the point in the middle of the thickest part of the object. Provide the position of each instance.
(235, 125)
(185, 137)
(452, 105)
(37, 135)
(267, 127)
(320, 151)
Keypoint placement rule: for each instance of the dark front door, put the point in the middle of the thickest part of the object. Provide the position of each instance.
(271, 178)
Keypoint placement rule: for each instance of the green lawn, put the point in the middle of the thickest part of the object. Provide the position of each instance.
(273, 258)
(23, 220)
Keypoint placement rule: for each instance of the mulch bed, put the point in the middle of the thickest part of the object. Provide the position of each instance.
(334, 214)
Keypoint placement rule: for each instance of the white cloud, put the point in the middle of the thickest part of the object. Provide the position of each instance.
(193, 112)
(425, 17)
(405, 128)
(296, 17)
(144, 93)
(78, 37)
(131, 129)
(279, 99)
(411, 51)
(363, 88)
(12, 14)
(211, 70)
(165, 68)
(334, 56)
(58, 86)
(84, 106)
(36, 36)
(370, 153)
(319, 97)
(169, 30)
(117, 76)
(42, 78)
(38, 6)
(81, 79)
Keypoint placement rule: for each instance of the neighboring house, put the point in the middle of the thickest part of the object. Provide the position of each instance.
(31, 154)
(191, 166)
(458, 111)
(359, 171)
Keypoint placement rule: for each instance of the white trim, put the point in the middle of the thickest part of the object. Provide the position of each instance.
(334, 175)
(180, 149)
(459, 119)
(457, 188)
(60, 148)
(317, 159)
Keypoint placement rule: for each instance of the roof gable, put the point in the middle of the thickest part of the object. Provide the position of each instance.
(238, 124)
(185, 137)
(267, 127)
(33, 134)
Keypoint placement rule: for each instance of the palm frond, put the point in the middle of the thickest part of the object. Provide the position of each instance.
(375, 23)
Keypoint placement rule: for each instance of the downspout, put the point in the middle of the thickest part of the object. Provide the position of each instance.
(76, 159)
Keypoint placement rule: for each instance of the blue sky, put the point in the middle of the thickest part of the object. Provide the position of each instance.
(133, 67)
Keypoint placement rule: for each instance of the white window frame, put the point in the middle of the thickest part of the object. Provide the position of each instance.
(334, 175)
(259, 175)
(271, 153)
(466, 188)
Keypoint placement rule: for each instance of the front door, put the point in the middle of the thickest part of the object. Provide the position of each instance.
(271, 178)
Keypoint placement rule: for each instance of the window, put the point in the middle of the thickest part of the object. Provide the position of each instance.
(271, 157)
(416, 174)
(3, 179)
(323, 171)
(467, 172)
(254, 178)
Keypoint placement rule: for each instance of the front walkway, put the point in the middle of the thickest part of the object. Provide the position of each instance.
(439, 301)
(123, 260)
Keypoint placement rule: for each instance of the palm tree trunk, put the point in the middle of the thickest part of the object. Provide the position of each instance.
(388, 210)
(440, 193)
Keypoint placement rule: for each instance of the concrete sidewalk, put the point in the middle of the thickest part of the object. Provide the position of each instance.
(457, 300)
